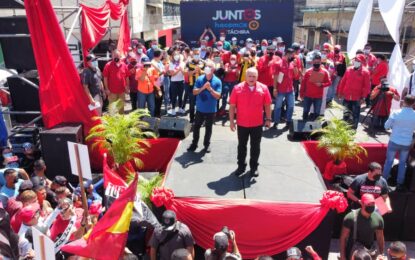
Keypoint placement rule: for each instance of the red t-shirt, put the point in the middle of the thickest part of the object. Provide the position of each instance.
(287, 69)
(232, 72)
(383, 107)
(309, 88)
(250, 104)
(116, 76)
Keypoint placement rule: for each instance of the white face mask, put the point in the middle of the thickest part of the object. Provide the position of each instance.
(249, 45)
(176, 57)
(154, 46)
(196, 57)
(323, 56)
(203, 46)
(207, 38)
(263, 48)
(222, 38)
(208, 70)
(274, 43)
(234, 42)
(233, 62)
(357, 64)
(140, 51)
(366, 51)
(282, 49)
(220, 48)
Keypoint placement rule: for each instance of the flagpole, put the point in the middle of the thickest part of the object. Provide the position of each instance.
(81, 184)
(42, 247)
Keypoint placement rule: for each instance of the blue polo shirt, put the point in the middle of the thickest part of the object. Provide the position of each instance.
(205, 102)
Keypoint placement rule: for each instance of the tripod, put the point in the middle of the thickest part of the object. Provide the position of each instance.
(379, 105)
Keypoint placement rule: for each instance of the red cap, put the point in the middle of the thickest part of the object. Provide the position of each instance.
(367, 198)
(361, 58)
(95, 208)
(27, 213)
(264, 43)
(327, 46)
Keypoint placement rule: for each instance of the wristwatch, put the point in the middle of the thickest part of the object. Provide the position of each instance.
(268, 119)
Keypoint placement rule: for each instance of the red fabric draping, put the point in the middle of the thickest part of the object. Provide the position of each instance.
(95, 22)
(261, 227)
(162, 196)
(334, 200)
(376, 153)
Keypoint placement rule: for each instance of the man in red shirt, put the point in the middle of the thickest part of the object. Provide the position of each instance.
(116, 80)
(380, 71)
(298, 63)
(354, 87)
(381, 97)
(315, 80)
(232, 71)
(265, 68)
(250, 99)
(283, 86)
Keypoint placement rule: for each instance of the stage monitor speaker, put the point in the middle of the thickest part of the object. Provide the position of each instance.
(153, 124)
(174, 127)
(55, 149)
(408, 233)
(17, 52)
(301, 130)
(394, 220)
(25, 97)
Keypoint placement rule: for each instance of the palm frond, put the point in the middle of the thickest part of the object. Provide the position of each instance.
(145, 187)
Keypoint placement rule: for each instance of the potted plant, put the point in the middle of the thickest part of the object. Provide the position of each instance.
(123, 137)
(338, 139)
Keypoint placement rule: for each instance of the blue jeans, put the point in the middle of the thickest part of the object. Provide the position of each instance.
(316, 102)
(289, 97)
(177, 88)
(166, 86)
(226, 91)
(331, 92)
(354, 108)
(390, 156)
(146, 98)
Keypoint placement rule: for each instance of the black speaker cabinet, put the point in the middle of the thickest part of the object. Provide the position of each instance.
(25, 97)
(394, 220)
(301, 130)
(55, 149)
(153, 124)
(174, 127)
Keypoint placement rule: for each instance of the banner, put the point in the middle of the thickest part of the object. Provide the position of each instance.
(392, 12)
(359, 29)
(262, 20)
(398, 73)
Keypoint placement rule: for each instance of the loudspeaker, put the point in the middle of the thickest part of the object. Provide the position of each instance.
(24, 97)
(153, 124)
(55, 149)
(17, 52)
(394, 220)
(301, 130)
(408, 233)
(174, 127)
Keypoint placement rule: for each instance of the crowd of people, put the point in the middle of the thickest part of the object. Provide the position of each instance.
(216, 76)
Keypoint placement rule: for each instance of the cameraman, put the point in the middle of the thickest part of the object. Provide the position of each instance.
(220, 252)
(381, 98)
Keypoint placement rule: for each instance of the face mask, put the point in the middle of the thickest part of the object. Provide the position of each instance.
(274, 43)
(357, 64)
(7, 155)
(281, 49)
(222, 38)
(377, 177)
(203, 46)
(323, 56)
(140, 51)
(263, 48)
(95, 64)
(196, 57)
(234, 42)
(207, 38)
(290, 59)
(176, 57)
(270, 54)
(249, 45)
(366, 51)
(316, 65)
(220, 48)
(337, 51)
(133, 63)
(116, 59)
(208, 70)
(370, 209)
(154, 46)
(233, 62)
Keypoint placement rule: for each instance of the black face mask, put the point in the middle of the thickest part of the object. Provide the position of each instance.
(337, 51)
(317, 65)
(370, 209)
(116, 59)
(377, 177)
(133, 63)
(291, 59)
(271, 54)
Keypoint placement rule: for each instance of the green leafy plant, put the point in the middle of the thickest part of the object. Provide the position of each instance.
(145, 187)
(338, 139)
(121, 135)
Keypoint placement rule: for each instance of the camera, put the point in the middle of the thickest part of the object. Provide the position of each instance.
(384, 88)
(226, 230)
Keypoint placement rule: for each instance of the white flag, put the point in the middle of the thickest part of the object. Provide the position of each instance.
(359, 29)
(398, 73)
(392, 12)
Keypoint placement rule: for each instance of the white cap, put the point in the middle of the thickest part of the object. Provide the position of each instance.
(234, 39)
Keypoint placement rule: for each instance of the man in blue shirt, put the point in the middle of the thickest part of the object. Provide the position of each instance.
(11, 187)
(402, 124)
(207, 91)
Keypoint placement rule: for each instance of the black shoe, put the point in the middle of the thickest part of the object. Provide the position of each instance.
(254, 173)
(275, 126)
(287, 124)
(206, 149)
(192, 148)
(238, 172)
(401, 188)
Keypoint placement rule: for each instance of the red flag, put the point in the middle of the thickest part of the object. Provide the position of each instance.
(107, 239)
(111, 177)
